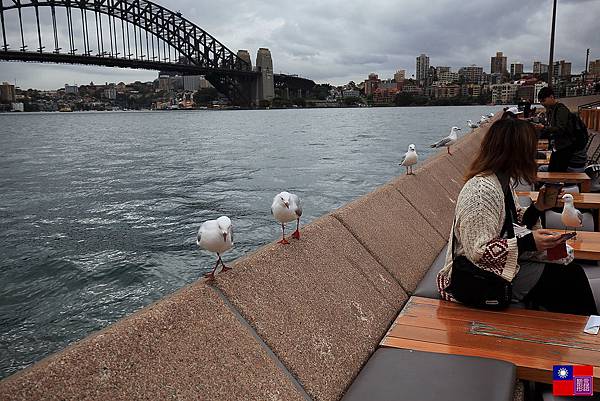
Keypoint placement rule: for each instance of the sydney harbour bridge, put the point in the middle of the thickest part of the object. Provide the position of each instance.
(136, 34)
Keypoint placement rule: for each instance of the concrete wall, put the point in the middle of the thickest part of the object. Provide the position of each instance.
(574, 102)
(293, 322)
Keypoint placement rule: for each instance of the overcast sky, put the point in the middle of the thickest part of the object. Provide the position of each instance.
(337, 41)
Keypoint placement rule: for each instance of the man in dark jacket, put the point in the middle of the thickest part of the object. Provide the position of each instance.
(567, 154)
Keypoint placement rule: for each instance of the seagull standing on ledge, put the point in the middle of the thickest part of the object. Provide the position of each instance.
(472, 125)
(410, 159)
(490, 115)
(216, 236)
(448, 141)
(570, 217)
(286, 207)
(483, 120)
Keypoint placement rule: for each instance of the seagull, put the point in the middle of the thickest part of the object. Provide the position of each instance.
(472, 125)
(216, 236)
(286, 207)
(448, 141)
(483, 120)
(490, 115)
(570, 217)
(410, 159)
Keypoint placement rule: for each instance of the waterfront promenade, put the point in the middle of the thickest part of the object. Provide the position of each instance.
(287, 323)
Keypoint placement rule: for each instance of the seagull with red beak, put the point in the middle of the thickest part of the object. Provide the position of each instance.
(216, 236)
(286, 207)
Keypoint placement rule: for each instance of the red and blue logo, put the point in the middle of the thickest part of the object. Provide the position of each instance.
(572, 380)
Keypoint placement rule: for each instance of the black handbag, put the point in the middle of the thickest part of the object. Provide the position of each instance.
(474, 286)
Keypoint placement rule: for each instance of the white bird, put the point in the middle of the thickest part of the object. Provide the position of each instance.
(570, 216)
(448, 141)
(490, 115)
(410, 159)
(286, 207)
(471, 124)
(483, 120)
(216, 236)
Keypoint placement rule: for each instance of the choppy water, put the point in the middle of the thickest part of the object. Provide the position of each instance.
(99, 211)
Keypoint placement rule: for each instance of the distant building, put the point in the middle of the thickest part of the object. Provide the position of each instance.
(388, 84)
(594, 69)
(471, 74)
(7, 93)
(498, 64)
(110, 92)
(539, 67)
(17, 106)
(448, 77)
(371, 84)
(400, 76)
(164, 83)
(385, 96)
(445, 91)
(422, 68)
(411, 88)
(439, 70)
(71, 89)
(350, 93)
(504, 93)
(561, 69)
(470, 90)
(516, 70)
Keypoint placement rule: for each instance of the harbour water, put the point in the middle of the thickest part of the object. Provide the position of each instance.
(99, 211)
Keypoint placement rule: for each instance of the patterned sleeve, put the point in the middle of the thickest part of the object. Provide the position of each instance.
(479, 225)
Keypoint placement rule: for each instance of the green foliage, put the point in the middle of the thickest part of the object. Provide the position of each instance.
(205, 96)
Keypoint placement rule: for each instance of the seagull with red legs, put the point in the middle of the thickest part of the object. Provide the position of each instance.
(447, 141)
(216, 236)
(286, 207)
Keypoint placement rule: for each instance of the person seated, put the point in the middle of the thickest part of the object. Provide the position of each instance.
(487, 217)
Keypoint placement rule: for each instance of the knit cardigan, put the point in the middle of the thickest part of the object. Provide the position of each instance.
(479, 218)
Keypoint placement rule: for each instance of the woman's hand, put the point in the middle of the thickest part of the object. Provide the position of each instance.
(546, 239)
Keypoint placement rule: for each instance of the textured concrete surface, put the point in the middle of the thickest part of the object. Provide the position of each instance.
(574, 102)
(446, 174)
(394, 232)
(321, 304)
(430, 199)
(188, 346)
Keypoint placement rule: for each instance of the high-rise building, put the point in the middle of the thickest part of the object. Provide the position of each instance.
(192, 83)
(7, 93)
(516, 69)
(561, 69)
(440, 70)
(471, 74)
(371, 84)
(498, 64)
(539, 67)
(400, 76)
(266, 83)
(422, 67)
(594, 70)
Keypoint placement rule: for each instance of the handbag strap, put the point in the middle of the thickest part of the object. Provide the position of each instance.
(509, 207)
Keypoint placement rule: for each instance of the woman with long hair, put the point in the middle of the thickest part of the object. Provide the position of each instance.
(479, 234)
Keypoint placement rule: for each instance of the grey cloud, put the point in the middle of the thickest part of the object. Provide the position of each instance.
(339, 40)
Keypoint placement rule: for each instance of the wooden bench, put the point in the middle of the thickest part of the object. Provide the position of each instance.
(566, 177)
(533, 340)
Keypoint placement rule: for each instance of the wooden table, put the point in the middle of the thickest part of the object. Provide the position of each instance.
(586, 245)
(566, 177)
(533, 340)
(582, 200)
(542, 144)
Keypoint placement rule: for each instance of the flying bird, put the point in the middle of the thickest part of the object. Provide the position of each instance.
(287, 207)
(570, 216)
(216, 236)
(410, 159)
(448, 141)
